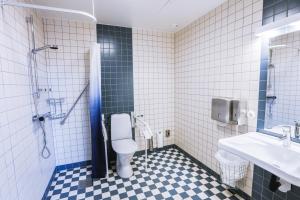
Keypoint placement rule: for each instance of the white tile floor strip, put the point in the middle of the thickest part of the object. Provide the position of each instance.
(171, 175)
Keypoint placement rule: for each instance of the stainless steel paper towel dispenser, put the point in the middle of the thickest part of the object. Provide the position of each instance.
(225, 110)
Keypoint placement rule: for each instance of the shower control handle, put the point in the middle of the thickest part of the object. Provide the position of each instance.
(40, 117)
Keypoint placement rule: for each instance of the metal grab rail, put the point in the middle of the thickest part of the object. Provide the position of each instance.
(74, 104)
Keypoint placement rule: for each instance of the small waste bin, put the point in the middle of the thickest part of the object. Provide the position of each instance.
(233, 169)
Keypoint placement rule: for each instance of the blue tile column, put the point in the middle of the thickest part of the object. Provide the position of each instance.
(261, 191)
(116, 73)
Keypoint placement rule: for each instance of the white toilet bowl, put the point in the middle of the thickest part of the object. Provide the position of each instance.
(125, 149)
(122, 143)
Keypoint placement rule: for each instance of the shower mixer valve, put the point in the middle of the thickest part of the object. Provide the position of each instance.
(40, 118)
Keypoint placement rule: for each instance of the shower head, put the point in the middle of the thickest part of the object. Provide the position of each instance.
(55, 47)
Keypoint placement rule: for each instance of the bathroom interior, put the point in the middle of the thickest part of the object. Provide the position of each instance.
(149, 99)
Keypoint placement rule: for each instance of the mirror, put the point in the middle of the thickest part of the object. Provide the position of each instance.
(283, 83)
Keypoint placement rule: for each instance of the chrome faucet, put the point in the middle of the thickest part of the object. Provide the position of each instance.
(297, 129)
(287, 130)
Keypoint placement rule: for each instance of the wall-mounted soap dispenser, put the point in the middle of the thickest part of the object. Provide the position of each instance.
(228, 111)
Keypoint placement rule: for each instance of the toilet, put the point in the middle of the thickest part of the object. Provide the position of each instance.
(122, 143)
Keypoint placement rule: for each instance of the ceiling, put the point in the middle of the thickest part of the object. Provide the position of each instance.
(165, 15)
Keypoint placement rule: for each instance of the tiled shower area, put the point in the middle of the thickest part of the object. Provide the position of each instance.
(68, 74)
(167, 76)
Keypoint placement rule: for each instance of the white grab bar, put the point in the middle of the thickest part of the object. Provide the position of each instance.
(146, 131)
(145, 128)
(104, 132)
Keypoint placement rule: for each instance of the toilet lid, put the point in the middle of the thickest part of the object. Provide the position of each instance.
(125, 146)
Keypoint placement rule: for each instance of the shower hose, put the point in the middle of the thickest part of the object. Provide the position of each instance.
(45, 150)
(34, 86)
(41, 120)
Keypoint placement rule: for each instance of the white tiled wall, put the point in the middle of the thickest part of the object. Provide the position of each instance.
(153, 68)
(286, 61)
(175, 77)
(216, 55)
(68, 75)
(23, 173)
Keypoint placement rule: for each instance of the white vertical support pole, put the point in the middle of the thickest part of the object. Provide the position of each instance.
(146, 159)
(132, 119)
(105, 147)
(93, 7)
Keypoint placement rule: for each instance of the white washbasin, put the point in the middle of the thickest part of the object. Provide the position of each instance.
(268, 153)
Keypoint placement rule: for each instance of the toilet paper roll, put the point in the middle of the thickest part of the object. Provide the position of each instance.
(251, 114)
(160, 139)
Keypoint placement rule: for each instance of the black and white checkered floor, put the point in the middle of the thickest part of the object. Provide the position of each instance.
(170, 175)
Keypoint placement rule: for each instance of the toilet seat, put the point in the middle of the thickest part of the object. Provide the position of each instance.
(124, 146)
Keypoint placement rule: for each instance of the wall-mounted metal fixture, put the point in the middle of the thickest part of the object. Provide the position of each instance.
(48, 8)
(56, 111)
(229, 111)
(41, 117)
(222, 110)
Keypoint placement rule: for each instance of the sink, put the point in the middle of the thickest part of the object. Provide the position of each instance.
(268, 153)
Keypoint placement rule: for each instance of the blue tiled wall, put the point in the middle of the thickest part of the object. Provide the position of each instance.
(261, 191)
(277, 9)
(117, 68)
(116, 73)
(273, 10)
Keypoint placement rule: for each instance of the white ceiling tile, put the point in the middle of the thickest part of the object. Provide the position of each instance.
(148, 14)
